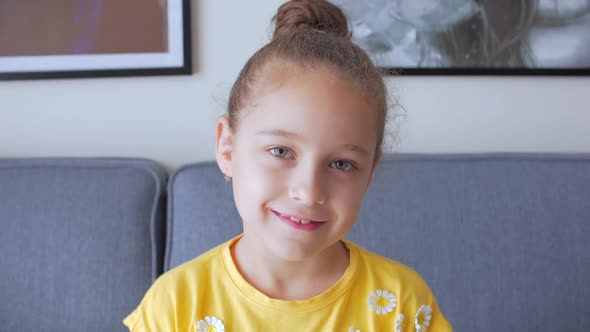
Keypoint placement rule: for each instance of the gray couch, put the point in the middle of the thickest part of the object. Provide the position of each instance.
(501, 239)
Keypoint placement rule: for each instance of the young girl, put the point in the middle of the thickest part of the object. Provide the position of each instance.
(299, 144)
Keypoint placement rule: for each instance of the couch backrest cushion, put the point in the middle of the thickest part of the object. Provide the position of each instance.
(81, 241)
(201, 213)
(502, 239)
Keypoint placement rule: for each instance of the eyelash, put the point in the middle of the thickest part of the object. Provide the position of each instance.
(351, 167)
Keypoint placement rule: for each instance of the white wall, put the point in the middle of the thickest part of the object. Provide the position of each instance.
(171, 119)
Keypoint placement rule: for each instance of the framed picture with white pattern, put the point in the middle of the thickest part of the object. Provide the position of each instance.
(473, 37)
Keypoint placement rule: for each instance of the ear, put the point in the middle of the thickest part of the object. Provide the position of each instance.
(224, 145)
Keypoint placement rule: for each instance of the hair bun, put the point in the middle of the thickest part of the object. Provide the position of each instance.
(319, 15)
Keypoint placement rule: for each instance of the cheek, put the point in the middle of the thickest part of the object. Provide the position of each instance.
(348, 197)
(254, 185)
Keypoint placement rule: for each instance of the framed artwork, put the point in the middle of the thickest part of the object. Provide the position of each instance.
(473, 37)
(94, 38)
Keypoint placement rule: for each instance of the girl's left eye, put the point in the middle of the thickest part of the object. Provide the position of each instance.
(343, 165)
(281, 152)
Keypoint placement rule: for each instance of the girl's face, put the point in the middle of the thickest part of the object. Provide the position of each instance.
(304, 150)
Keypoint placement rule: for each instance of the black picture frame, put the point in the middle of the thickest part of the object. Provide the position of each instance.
(181, 56)
(492, 38)
(461, 71)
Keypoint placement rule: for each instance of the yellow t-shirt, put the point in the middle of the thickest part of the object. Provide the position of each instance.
(209, 294)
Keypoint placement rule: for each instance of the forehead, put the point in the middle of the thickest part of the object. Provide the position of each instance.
(316, 104)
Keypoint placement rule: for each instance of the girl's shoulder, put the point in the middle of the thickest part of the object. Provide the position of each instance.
(378, 270)
(174, 296)
(390, 287)
(381, 263)
(193, 270)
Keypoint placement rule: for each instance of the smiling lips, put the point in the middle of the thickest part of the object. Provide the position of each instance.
(298, 219)
(298, 222)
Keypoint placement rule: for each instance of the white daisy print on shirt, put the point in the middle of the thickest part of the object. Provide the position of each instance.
(423, 318)
(352, 329)
(210, 324)
(382, 301)
(399, 323)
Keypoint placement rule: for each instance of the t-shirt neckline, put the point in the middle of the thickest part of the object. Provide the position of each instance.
(314, 303)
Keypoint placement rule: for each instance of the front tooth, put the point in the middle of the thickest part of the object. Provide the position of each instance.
(295, 219)
(305, 222)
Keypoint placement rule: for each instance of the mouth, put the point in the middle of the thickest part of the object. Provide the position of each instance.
(298, 219)
(299, 222)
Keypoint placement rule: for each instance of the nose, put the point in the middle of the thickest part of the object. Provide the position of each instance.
(308, 188)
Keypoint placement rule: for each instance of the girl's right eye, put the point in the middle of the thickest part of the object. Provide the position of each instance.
(281, 152)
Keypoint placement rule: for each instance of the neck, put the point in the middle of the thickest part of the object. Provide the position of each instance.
(289, 280)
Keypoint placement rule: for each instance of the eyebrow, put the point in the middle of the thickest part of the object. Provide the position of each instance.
(297, 137)
(281, 133)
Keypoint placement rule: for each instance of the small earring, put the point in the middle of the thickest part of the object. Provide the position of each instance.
(227, 178)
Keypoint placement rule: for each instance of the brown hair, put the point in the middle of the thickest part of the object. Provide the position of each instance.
(311, 34)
